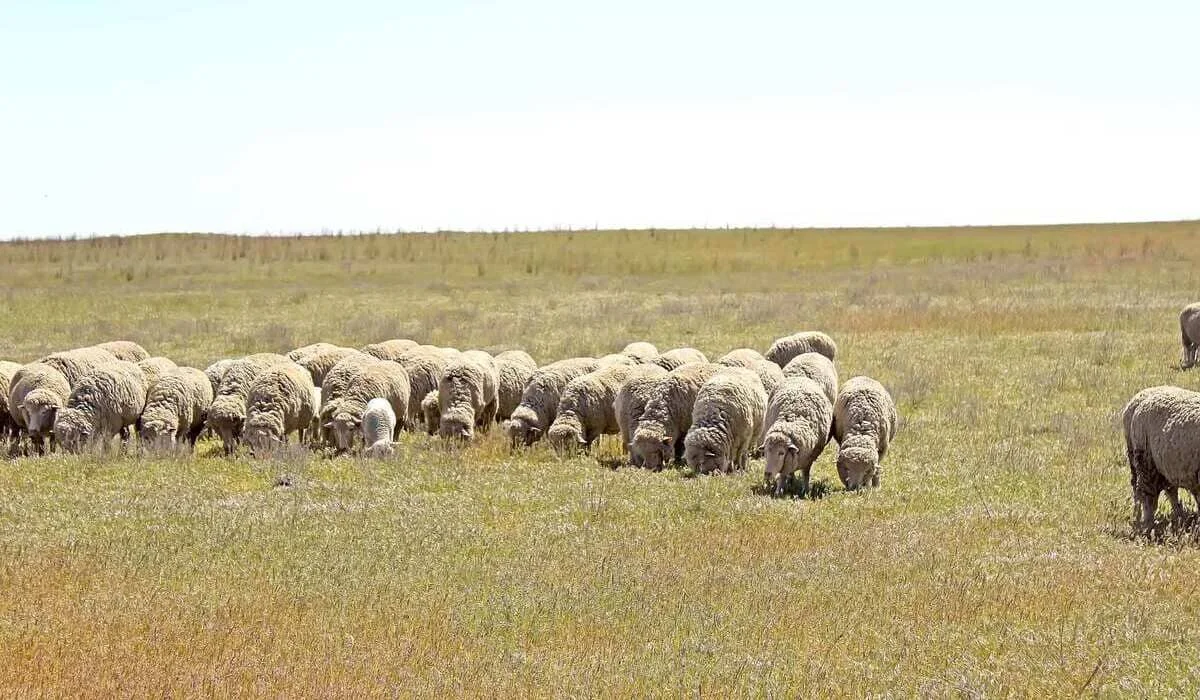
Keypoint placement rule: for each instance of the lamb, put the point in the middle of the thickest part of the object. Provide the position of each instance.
(642, 352)
(631, 403)
(381, 380)
(105, 402)
(769, 373)
(35, 395)
(320, 363)
(816, 367)
(227, 414)
(8, 424)
(1161, 443)
(674, 359)
(727, 421)
(784, 349)
(587, 410)
(78, 362)
(176, 408)
(279, 402)
(155, 367)
(425, 365)
(864, 423)
(742, 357)
(658, 437)
(216, 372)
(125, 350)
(389, 349)
(539, 402)
(467, 395)
(337, 383)
(431, 412)
(615, 358)
(379, 428)
(308, 350)
(799, 420)
(513, 370)
(1189, 328)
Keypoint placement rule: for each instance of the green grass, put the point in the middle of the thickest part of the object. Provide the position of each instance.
(997, 558)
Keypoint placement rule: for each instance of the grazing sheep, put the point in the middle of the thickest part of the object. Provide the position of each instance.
(539, 402)
(1189, 328)
(381, 380)
(104, 403)
(467, 395)
(280, 401)
(615, 358)
(78, 362)
(425, 365)
(227, 414)
(176, 407)
(642, 352)
(155, 367)
(8, 425)
(674, 359)
(1162, 439)
(799, 420)
(742, 357)
(784, 349)
(864, 423)
(816, 367)
(727, 421)
(379, 428)
(631, 403)
(431, 412)
(319, 363)
(513, 370)
(389, 349)
(125, 350)
(337, 383)
(216, 372)
(36, 393)
(308, 350)
(769, 373)
(658, 437)
(587, 409)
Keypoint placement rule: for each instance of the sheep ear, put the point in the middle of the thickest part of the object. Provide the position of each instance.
(328, 426)
(667, 440)
(793, 449)
(710, 454)
(535, 431)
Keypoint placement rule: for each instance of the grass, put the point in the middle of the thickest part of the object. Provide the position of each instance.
(997, 559)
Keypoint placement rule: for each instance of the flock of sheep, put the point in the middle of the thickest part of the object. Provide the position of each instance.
(667, 407)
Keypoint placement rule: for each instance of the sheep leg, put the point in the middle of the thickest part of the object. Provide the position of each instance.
(804, 478)
(1177, 511)
(487, 417)
(1148, 503)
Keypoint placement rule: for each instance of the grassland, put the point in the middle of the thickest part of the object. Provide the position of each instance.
(995, 560)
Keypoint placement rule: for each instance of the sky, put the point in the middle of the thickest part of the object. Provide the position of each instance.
(140, 116)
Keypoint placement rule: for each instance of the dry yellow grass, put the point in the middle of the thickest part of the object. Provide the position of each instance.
(995, 560)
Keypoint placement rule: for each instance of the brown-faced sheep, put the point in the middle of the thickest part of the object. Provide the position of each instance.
(539, 402)
(176, 407)
(784, 349)
(727, 421)
(674, 359)
(799, 420)
(587, 409)
(631, 403)
(280, 401)
(467, 395)
(816, 367)
(104, 403)
(514, 368)
(381, 380)
(658, 438)
(227, 414)
(864, 423)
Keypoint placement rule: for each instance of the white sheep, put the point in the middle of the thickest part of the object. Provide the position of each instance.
(539, 402)
(337, 383)
(104, 403)
(307, 350)
(864, 423)
(125, 350)
(1189, 328)
(514, 368)
(227, 414)
(1162, 439)
(36, 393)
(768, 373)
(798, 423)
(678, 357)
(658, 437)
(816, 367)
(176, 407)
(431, 413)
(383, 379)
(631, 402)
(467, 395)
(389, 349)
(379, 428)
(9, 428)
(280, 401)
(784, 349)
(727, 421)
(587, 409)
(641, 352)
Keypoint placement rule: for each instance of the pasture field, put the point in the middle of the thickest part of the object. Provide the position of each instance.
(996, 559)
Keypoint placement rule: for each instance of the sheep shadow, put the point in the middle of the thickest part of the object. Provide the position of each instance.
(1166, 531)
(818, 489)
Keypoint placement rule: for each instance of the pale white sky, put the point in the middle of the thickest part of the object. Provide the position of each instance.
(141, 116)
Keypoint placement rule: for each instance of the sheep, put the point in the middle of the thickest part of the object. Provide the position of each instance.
(337, 383)
(784, 349)
(673, 359)
(389, 349)
(124, 350)
(36, 393)
(864, 423)
(431, 412)
(279, 402)
(381, 380)
(1189, 328)
(227, 414)
(308, 350)
(513, 370)
(104, 403)
(1160, 424)
(658, 437)
(742, 357)
(319, 363)
(425, 365)
(176, 408)
(467, 395)
(631, 403)
(587, 410)
(727, 421)
(539, 402)
(155, 367)
(8, 424)
(816, 367)
(379, 428)
(216, 371)
(641, 352)
(615, 358)
(78, 362)
(768, 373)
(798, 422)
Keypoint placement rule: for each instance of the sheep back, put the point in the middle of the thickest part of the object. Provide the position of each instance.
(864, 423)
(320, 362)
(741, 357)
(103, 403)
(678, 357)
(75, 363)
(124, 350)
(816, 367)
(798, 423)
(176, 406)
(389, 349)
(641, 352)
(784, 349)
